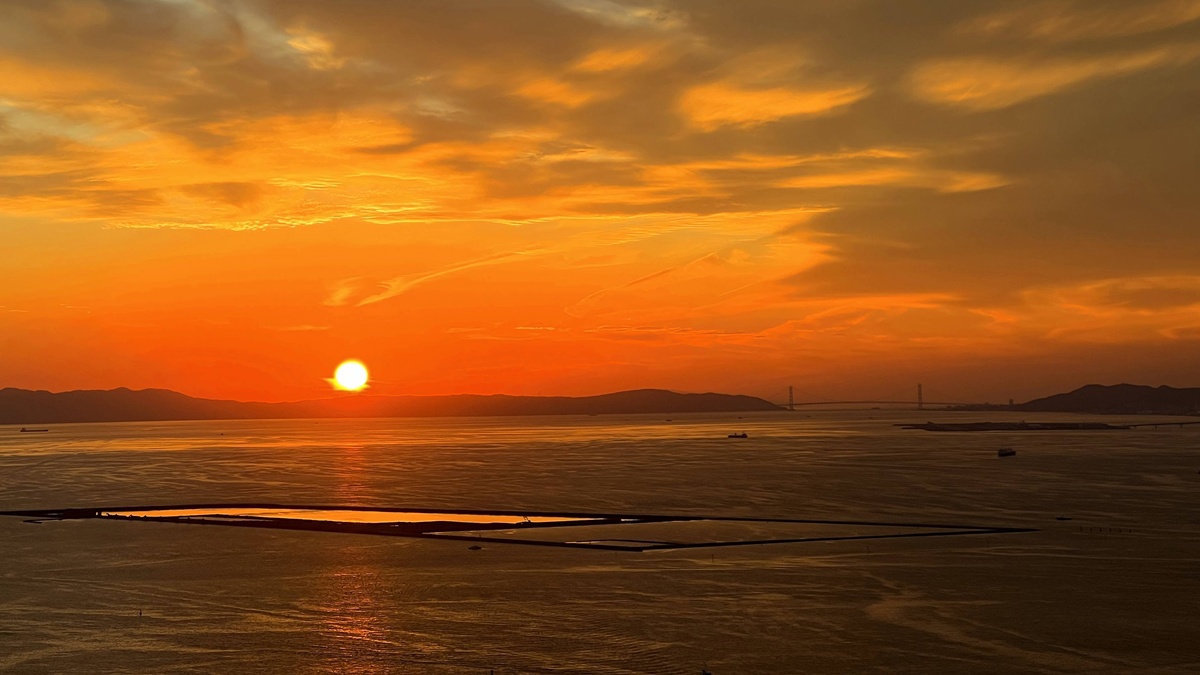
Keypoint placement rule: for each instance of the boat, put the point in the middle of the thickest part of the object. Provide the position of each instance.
(33, 431)
(1005, 452)
(741, 435)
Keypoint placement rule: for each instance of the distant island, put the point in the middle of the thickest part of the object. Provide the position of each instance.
(22, 406)
(1123, 399)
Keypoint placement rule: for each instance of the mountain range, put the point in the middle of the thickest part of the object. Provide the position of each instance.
(22, 406)
(1120, 398)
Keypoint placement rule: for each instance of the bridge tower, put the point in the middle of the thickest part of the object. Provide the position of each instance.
(791, 400)
(920, 399)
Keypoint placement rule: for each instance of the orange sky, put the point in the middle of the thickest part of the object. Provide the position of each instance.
(997, 199)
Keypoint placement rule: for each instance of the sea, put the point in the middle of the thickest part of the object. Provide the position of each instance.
(1108, 581)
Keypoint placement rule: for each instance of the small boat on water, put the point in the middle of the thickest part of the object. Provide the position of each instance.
(741, 435)
(33, 431)
(1006, 452)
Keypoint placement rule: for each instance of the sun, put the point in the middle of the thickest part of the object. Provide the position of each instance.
(350, 376)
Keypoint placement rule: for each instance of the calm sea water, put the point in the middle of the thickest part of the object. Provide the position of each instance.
(1112, 590)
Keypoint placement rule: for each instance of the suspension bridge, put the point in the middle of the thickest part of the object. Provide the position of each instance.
(919, 401)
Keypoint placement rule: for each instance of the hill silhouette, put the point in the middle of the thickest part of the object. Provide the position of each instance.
(1120, 398)
(22, 406)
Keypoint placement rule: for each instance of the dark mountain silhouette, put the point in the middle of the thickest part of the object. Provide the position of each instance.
(22, 406)
(1120, 398)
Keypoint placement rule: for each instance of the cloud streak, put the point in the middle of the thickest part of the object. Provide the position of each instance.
(400, 285)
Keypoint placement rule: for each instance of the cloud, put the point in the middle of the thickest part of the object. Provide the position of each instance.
(401, 285)
(239, 194)
(608, 59)
(1062, 21)
(556, 92)
(642, 15)
(943, 181)
(317, 49)
(986, 83)
(1141, 295)
(714, 105)
(341, 291)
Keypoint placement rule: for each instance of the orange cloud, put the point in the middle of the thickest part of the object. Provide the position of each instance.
(549, 90)
(1060, 21)
(617, 59)
(711, 106)
(945, 181)
(985, 84)
(317, 49)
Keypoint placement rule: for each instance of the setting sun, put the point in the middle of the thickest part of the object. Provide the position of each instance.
(350, 376)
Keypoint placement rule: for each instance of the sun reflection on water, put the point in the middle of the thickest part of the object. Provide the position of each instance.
(349, 486)
(353, 633)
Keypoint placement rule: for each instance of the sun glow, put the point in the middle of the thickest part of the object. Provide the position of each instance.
(350, 376)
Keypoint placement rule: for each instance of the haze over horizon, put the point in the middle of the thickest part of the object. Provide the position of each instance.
(573, 197)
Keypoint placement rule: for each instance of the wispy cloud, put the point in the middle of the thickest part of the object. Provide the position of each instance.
(711, 106)
(403, 284)
(1064, 21)
(985, 83)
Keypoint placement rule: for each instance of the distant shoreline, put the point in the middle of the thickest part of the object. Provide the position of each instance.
(25, 407)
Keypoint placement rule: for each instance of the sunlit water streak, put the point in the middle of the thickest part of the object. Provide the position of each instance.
(1112, 590)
